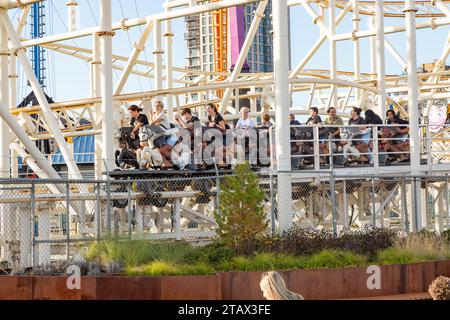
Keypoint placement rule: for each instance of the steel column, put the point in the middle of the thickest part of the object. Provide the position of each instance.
(169, 64)
(381, 61)
(413, 109)
(107, 83)
(333, 62)
(282, 103)
(356, 47)
(47, 112)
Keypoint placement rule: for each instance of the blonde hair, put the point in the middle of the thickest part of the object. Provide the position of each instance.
(244, 109)
(274, 288)
(440, 288)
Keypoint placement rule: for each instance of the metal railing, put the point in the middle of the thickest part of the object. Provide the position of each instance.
(312, 146)
(48, 220)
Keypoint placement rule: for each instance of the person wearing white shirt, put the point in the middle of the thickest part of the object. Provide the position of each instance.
(159, 116)
(244, 121)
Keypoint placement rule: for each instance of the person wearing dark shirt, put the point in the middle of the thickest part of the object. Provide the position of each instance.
(372, 117)
(314, 117)
(399, 142)
(187, 120)
(215, 119)
(138, 120)
(293, 121)
(403, 130)
(359, 131)
(355, 118)
(392, 118)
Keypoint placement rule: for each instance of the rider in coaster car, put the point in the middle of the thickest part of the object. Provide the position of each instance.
(137, 120)
(157, 152)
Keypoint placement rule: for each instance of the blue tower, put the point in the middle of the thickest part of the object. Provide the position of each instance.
(38, 54)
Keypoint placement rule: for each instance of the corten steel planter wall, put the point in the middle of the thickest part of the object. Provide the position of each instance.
(339, 283)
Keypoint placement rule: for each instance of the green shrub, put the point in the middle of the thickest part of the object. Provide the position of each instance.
(213, 253)
(139, 257)
(132, 253)
(242, 216)
(199, 268)
(416, 247)
(298, 241)
(368, 241)
(242, 263)
(164, 268)
(396, 256)
(155, 268)
(169, 251)
(269, 261)
(335, 259)
(426, 245)
(128, 253)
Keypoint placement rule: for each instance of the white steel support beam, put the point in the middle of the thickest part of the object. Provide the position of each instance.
(381, 61)
(169, 64)
(72, 14)
(43, 163)
(413, 109)
(311, 96)
(373, 49)
(138, 48)
(282, 106)
(44, 229)
(29, 161)
(106, 84)
(12, 4)
(158, 53)
(396, 54)
(25, 234)
(317, 19)
(392, 29)
(13, 77)
(6, 228)
(12, 103)
(356, 48)
(439, 65)
(333, 61)
(319, 42)
(23, 19)
(259, 14)
(96, 88)
(322, 13)
(4, 100)
(140, 21)
(443, 7)
(47, 113)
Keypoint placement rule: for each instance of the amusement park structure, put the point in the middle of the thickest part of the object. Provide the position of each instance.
(415, 96)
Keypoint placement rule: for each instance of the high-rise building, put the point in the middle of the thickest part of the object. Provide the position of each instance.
(260, 56)
(192, 37)
(200, 40)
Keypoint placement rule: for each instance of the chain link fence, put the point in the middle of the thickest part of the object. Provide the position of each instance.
(45, 220)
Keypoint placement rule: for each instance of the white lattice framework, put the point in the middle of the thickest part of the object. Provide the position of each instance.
(273, 91)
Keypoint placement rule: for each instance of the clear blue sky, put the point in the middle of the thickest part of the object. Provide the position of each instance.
(70, 76)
